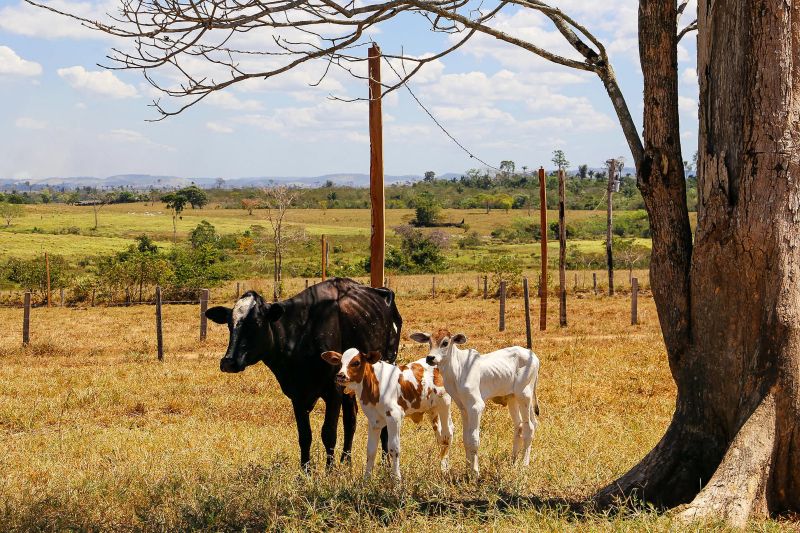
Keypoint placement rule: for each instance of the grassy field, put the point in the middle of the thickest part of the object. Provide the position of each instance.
(42, 227)
(97, 435)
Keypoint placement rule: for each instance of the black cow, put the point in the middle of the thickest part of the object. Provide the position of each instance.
(289, 337)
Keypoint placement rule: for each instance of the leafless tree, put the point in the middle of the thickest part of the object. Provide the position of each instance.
(278, 201)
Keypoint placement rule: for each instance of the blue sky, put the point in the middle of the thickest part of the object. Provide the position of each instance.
(65, 116)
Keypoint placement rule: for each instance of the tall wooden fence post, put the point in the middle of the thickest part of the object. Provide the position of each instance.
(93, 297)
(47, 267)
(543, 228)
(26, 320)
(377, 193)
(485, 287)
(239, 287)
(433, 287)
(306, 284)
(204, 295)
(634, 301)
(62, 296)
(562, 251)
(502, 306)
(594, 282)
(526, 297)
(159, 336)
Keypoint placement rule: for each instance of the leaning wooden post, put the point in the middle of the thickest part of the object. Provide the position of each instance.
(562, 252)
(634, 301)
(47, 268)
(502, 306)
(159, 336)
(376, 188)
(324, 246)
(204, 294)
(543, 215)
(526, 297)
(26, 320)
(485, 287)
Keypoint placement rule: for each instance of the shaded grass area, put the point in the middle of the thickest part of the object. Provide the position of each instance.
(97, 435)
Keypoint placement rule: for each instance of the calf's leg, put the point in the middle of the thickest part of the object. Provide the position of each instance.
(372, 447)
(333, 404)
(516, 422)
(444, 427)
(301, 413)
(393, 426)
(472, 435)
(528, 424)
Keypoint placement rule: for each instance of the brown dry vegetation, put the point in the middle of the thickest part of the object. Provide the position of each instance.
(95, 434)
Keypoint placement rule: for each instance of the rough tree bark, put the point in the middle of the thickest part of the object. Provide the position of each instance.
(728, 306)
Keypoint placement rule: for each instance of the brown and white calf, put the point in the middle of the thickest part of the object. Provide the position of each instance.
(387, 393)
(508, 376)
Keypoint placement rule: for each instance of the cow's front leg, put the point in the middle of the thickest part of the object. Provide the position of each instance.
(303, 433)
(349, 412)
(333, 404)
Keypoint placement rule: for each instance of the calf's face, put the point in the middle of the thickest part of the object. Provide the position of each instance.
(248, 323)
(351, 364)
(440, 344)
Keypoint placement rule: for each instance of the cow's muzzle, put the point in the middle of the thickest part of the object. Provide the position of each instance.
(229, 365)
(431, 360)
(341, 380)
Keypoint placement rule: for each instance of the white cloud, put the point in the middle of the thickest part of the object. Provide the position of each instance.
(133, 137)
(13, 65)
(219, 128)
(25, 19)
(28, 123)
(101, 82)
(689, 76)
(227, 100)
(688, 106)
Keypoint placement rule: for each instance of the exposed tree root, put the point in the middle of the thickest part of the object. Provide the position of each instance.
(737, 490)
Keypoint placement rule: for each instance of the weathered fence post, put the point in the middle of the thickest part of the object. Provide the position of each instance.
(204, 294)
(502, 306)
(238, 288)
(562, 251)
(575, 289)
(543, 231)
(127, 297)
(47, 267)
(594, 282)
(526, 297)
(62, 296)
(306, 284)
(26, 320)
(324, 245)
(159, 336)
(634, 301)
(433, 287)
(485, 287)
(377, 242)
(93, 297)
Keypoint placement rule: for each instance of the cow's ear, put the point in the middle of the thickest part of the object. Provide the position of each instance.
(332, 358)
(421, 337)
(459, 338)
(274, 312)
(219, 314)
(373, 357)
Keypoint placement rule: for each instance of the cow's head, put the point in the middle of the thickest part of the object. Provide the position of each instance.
(248, 323)
(351, 364)
(441, 344)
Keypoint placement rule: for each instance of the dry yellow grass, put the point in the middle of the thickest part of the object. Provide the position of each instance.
(95, 434)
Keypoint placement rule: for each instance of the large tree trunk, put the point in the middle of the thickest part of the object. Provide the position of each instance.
(729, 308)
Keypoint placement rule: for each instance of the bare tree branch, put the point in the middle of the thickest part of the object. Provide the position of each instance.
(692, 26)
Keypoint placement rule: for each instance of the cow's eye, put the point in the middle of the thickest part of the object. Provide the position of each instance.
(444, 343)
(355, 363)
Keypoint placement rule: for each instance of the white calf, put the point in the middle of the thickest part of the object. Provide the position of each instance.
(508, 376)
(387, 393)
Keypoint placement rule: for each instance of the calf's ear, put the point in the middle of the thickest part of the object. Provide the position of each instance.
(459, 338)
(219, 314)
(421, 337)
(373, 357)
(332, 358)
(274, 312)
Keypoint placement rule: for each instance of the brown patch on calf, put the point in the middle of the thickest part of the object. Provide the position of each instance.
(441, 334)
(437, 377)
(411, 394)
(360, 371)
(416, 417)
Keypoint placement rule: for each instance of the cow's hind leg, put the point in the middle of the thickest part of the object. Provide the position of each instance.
(333, 404)
(349, 412)
(528, 425)
(301, 417)
(516, 422)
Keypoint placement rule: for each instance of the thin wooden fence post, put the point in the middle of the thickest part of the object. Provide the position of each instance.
(324, 246)
(502, 306)
(433, 287)
(93, 297)
(634, 301)
(62, 296)
(238, 289)
(543, 231)
(159, 335)
(594, 282)
(204, 295)
(377, 244)
(47, 266)
(526, 297)
(306, 284)
(26, 320)
(127, 297)
(575, 289)
(485, 287)
(562, 251)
